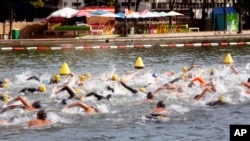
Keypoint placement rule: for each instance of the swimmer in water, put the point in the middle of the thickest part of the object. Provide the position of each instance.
(88, 108)
(25, 104)
(247, 85)
(210, 87)
(160, 110)
(220, 101)
(27, 90)
(40, 121)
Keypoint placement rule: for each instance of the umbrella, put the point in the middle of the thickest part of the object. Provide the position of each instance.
(120, 14)
(133, 15)
(81, 13)
(163, 14)
(98, 12)
(109, 15)
(148, 14)
(63, 13)
(173, 13)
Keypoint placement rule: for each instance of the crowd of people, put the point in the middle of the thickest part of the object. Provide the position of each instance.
(193, 78)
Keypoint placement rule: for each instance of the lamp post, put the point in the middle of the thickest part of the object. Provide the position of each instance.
(126, 22)
(240, 19)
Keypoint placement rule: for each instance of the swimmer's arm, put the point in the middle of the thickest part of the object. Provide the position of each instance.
(79, 104)
(23, 100)
(246, 84)
(234, 69)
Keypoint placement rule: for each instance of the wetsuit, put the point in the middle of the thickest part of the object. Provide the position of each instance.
(29, 90)
(33, 78)
(99, 97)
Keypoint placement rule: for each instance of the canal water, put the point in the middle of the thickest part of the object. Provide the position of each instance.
(124, 116)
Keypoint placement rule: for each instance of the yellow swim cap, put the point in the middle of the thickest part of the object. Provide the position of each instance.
(6, 97)
(42, 88)
(87, 75)
(57, 77)
(184, 69)
(143, 90)
(122, 80)
(5, 85)
(114, 77)
(221, 98)
(82, 78)
(213, 70)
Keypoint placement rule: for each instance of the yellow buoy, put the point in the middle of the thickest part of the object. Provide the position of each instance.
(228, 59)
(64, 69)
(139, 63)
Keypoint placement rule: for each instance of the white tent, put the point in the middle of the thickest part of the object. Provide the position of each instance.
(63, 13)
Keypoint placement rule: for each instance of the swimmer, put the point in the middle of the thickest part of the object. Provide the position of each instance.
(99, 97)
(25, 104)
(170, 86)
(149, 97)
(27, 90)
(159, 110)
(34, 78)
(71, 91)
(208, 88)
(5, 83)
(41, 120)
(55, 79)
(88, 109)
(247, 85)
(219, 101)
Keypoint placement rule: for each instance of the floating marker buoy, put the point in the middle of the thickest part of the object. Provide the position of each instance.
(139, 63)
(64, 69)
(228, 59)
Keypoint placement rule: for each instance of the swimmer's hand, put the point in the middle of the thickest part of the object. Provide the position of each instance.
(65, 109)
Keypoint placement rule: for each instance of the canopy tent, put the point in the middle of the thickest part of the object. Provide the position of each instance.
(148, 14)
(173, 13)
(232, 18)
(63, 13)
(81, 13)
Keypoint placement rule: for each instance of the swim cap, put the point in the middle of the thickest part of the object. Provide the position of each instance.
(213, 70)
(5, 98)
(161, 104)
(122, 80)
(184, 69)
(41, 114)
(4, 85)
(143, 90)
(154, 75)
(82, 78)
(37, 104)
(87, 75)
(150, 95)
(114, 77)
(57, 77)
(221, 98)
(42, 88)
(248, 80)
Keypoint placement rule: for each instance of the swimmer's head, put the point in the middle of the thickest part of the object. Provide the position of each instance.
(122, 80)
(37, 104)
(248, 80)
(4, 85)
(57, 77)
(184, 69)
(213, 71)
(154, 75)
(143, 90)
(161, 104)
(114, 77)
(87, 75)
(82, 78)
(197, 97)
(5, 97)
(221, 98)
(150, 95)
(41, 114)
(42, 88)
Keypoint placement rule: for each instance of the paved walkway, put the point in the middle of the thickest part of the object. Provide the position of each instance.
(135, 39)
